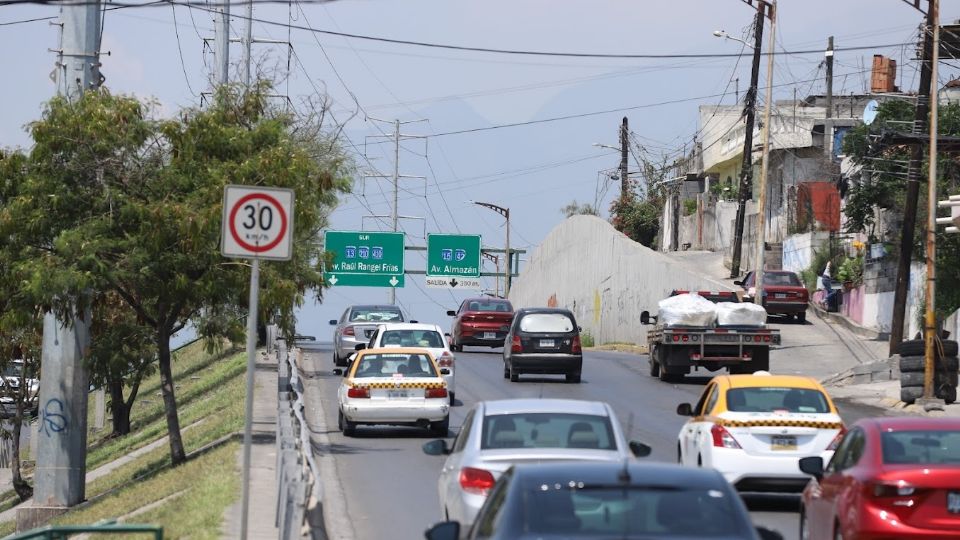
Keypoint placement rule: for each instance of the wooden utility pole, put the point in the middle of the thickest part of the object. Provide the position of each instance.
(624, 153)
(930, 319)
(765, 163)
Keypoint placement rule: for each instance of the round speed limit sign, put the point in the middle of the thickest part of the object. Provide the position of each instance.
(257, 222)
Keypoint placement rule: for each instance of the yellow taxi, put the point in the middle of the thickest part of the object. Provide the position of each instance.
(755, 428)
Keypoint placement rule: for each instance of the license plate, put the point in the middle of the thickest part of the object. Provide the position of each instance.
(953, 502)
(398, 394)
(489, 335)
(780, 295)
(783, 442)
(548, 343)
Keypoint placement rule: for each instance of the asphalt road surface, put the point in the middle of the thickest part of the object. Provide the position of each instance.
(380, 484)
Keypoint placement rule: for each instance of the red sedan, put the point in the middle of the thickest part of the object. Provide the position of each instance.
(890, 478)
(481, 321)
(783, 293)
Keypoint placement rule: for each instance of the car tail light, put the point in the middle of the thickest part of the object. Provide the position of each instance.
(766, 339)
(722, 438)
(436, 392)
(358, 392)
(476, 481)
(348, 331)
(445, 360)
(676, 337)
(576, 347)
(686, 337)
(836, 440)
(893, 489)
(515, 345)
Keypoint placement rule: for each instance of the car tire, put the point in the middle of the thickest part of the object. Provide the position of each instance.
(336, 358)
(441, 428)
(804, 526)
(573, 378)
(917, 347)
(909, 394)
(654, 365)
(679, 455)
(347, 427)
(837, 533)
(802, 317)
(506, 370)
(918, 363)
(452, 397)
(514, 374)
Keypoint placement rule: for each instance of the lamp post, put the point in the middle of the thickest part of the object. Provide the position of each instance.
(765, 163)
(496, 265)
(508, 267)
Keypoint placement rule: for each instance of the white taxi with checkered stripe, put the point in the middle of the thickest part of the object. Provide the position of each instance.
(755, 428)
(396, 386)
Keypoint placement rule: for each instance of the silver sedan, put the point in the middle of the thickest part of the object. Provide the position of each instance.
(498, 434)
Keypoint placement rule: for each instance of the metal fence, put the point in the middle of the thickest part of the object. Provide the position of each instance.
(298, 486)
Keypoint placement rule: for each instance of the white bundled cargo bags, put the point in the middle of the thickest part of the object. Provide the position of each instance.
(687, 310)
(746, 314)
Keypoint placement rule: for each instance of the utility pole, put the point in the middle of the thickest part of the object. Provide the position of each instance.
(60, 477)
(746, 172)
(930, 320)
(247, 42)
(828, 129)
(908, 226)
(624, 152)
(765, 164)
(396, 199)
(221, 43)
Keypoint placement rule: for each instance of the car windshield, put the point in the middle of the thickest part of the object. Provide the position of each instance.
(376, 314)
(546, 322)
(547, 430)
(610, 511)
(395, 365)
(786, 279)
(412, 338)
(773, 399)
(489, 305)
(927, 447)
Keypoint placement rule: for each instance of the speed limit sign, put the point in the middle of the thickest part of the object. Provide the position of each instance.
(257, 222)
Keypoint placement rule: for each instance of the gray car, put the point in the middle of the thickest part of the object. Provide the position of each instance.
(498, 434)
(357, 325)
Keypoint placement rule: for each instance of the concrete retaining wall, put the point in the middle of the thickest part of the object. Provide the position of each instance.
(798, 250)
(605, 278)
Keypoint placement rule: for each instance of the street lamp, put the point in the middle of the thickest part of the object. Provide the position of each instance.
(599, 145)
(723, 34)
(508, 267)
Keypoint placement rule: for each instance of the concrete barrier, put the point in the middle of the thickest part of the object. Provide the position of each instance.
(604, 277)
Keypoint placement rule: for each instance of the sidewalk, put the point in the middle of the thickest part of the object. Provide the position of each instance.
(261, 519)
(886, 395)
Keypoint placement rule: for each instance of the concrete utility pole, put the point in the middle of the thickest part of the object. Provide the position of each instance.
(908, 226)
(828, 129)
(221, 43)
(60, 477)
(765, 164)
(624, 152)
(396, 180)
(930, 320)
(247, 42)
(746, 171)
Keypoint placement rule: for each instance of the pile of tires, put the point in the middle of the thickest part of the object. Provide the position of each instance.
(913, 362)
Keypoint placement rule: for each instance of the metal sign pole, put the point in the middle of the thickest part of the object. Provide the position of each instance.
(251, 367)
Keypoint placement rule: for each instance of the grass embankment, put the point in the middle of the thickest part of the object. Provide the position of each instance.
(189, 500)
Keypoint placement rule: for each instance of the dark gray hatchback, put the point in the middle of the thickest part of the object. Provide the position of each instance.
(545, 341)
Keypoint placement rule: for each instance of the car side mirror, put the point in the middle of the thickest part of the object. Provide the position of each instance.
(448, 530)
(813, 466)
(338, 371)
(451, 313)
(436, 447)
(738, 282)
(333, 322)
(645, 317)
(767, 534)
(444, 371)
(685, 409)
(359, 346)
(639, 449)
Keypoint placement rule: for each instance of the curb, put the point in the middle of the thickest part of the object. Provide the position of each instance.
(848, 324)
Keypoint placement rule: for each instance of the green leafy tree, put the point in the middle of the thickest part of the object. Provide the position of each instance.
(576, 209)
(119, 202)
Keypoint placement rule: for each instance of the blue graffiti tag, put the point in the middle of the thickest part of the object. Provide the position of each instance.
(53, 420)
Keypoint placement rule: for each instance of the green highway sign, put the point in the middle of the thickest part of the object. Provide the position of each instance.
(453, 255)
(364, 259)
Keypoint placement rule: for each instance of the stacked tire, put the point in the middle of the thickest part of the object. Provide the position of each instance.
(913, 363)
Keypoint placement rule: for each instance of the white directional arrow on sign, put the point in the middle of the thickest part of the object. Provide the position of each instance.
(333, 280)
(393, 281)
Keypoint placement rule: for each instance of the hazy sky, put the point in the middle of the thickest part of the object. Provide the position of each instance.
(535, 169)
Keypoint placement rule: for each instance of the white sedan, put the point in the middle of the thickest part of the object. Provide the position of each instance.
(421, 336)
(402, 387)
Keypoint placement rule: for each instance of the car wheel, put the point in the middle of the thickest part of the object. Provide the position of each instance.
(699, 460)
(804, 526)
(347, 427)
(440, 428)
(573, 377)
(679, 455)
(837, 533)
(452, 397)
(514, 374)
(802, 317)
(336, 358)
(654, 367)
(506, 370)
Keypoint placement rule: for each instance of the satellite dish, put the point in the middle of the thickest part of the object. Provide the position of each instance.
(870, 112)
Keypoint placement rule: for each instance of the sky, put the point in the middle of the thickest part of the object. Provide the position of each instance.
(534, 169)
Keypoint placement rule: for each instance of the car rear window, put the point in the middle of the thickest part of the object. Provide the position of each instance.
(634, 511)
(790, 280)
(546, 322)
(395, 364)
(378, 315)
(927, 447)
(412, 338)
(547, 430)
(775, 398)
(489, 305)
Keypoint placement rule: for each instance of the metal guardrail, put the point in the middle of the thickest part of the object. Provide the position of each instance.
(298, 477)
(108, 527)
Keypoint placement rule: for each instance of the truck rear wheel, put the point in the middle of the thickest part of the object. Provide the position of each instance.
(654, 364)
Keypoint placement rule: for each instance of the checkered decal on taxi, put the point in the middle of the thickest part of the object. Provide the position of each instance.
(780, 423)
(411, 384)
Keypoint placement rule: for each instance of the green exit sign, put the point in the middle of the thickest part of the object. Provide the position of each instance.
(453, 255)
(364, 259)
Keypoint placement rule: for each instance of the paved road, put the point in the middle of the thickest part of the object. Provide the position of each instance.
(380, 485)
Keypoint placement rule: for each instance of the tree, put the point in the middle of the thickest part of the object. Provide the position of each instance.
(575, 209)
(120, 203)
(638, 214)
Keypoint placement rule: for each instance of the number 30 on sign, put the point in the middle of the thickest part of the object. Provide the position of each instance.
(257, 222)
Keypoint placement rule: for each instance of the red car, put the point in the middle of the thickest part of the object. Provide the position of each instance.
(480, 321)
(784, 293)
(890, 478)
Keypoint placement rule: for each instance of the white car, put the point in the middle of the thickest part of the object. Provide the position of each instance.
(421, 336)
(402, 387)
(498, 434)
(755, 428)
